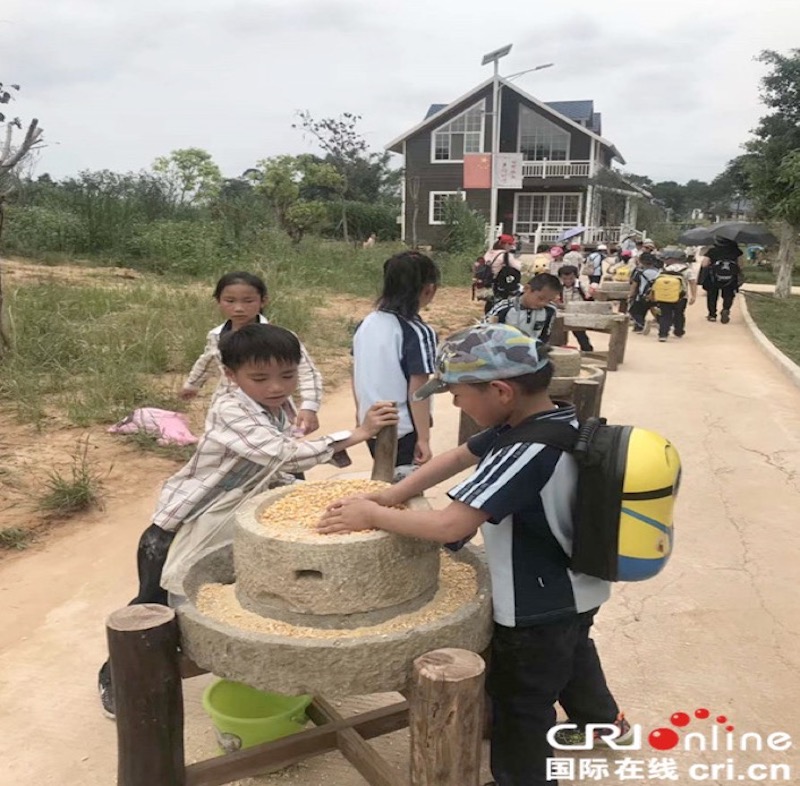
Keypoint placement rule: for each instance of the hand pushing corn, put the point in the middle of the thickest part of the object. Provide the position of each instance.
(305, 504)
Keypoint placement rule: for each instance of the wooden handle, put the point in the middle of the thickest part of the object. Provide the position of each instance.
(385, 454)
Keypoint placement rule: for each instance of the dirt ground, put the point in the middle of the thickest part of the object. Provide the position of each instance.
(28, 453)
(719, 629)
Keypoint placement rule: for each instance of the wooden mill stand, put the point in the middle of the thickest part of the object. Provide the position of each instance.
(443, 709)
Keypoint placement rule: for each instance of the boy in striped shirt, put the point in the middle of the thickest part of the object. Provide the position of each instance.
(520, 495)
(248, 444)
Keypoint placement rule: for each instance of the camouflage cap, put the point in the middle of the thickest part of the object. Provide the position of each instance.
(481, 354)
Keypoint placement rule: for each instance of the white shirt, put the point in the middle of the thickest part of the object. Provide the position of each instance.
(387, 351)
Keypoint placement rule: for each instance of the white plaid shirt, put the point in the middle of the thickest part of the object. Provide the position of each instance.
(309, 379)
(242, 442)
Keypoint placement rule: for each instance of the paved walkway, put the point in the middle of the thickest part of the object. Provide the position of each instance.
(719, 629)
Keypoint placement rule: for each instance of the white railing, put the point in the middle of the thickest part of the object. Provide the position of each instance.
(560, 169)
(550, 233)
(492, 233)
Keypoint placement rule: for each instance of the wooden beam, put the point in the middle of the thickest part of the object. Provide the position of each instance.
(446, 718)
(586, 398)
(374, 769)
(617, 342)
(297, 747)
(143, 653)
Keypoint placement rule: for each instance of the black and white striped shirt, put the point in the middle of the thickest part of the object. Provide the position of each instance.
(528, 490)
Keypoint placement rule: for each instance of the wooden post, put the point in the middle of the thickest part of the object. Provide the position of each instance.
(617, 341)
(558, 333)
(467, 428)
(385, 454)
(145, 672)
(586, 398)
(446, 718)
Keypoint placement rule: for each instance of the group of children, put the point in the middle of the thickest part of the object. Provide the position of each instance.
(661, 283)
(518, 494)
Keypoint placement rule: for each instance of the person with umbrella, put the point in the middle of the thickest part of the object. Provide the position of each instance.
(721, 274)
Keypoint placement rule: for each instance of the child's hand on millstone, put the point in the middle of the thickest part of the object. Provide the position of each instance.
(349, 515)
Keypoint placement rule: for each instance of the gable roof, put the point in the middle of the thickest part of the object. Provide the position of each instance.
(435, 111)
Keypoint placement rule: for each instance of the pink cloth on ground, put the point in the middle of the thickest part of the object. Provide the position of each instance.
(170, 428)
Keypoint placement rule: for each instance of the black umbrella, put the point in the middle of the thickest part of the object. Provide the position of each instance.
(741, 232)
(699, 236)
(735, 231)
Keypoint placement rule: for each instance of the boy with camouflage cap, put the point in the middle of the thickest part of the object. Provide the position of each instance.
(520, 495)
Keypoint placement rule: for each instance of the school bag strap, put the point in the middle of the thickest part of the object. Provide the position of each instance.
(556, 434)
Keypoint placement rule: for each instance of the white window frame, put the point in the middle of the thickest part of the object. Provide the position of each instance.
(432, 194)
(547, 195)
(522, 110)
(482, 105)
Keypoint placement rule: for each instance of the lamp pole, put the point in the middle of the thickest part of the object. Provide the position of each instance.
(494, 58)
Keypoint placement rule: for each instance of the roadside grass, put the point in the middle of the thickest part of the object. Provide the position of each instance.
(78, 489)
(779, 319)
(766, 275)
(15, 538)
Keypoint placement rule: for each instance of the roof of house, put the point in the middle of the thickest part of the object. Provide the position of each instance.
(576, 113)
(580, 111)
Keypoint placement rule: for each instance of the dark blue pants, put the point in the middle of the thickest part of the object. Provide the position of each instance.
(672, 316)
(531, 669)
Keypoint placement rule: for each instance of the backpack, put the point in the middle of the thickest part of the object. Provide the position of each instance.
(628, 479)
(637, 278)
(506, 282)
(724, 273)
(482, 274)
(622, 273)
(668, 288)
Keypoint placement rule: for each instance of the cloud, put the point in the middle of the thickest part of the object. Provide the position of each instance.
(116, 84)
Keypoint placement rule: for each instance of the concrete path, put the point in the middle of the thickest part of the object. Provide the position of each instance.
(720, 629)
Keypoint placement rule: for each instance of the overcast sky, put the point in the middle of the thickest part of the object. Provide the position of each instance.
(116, 83)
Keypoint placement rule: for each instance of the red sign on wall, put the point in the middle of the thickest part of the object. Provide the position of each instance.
(477, 170)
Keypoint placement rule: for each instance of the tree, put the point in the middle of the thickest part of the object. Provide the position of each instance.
(773, 161)
(367, 176)
(283, 180)
(12, 156)
(190, 176)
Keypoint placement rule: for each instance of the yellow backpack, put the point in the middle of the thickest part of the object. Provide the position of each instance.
(667, 288)
(622, 273)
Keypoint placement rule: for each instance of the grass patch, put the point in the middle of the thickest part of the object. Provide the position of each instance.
(78, 490)
(15, 538)
(779, 320)
(766, 275)
(93, 349)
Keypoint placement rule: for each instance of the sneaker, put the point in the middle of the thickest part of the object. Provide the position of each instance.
(106, 691)
(725, 317)
(679, 335)
(712, 317)
(637, 329)
(575, 737)
(647, 325)
(662, 338)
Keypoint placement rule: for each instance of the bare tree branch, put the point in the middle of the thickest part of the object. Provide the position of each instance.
(32, 137)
